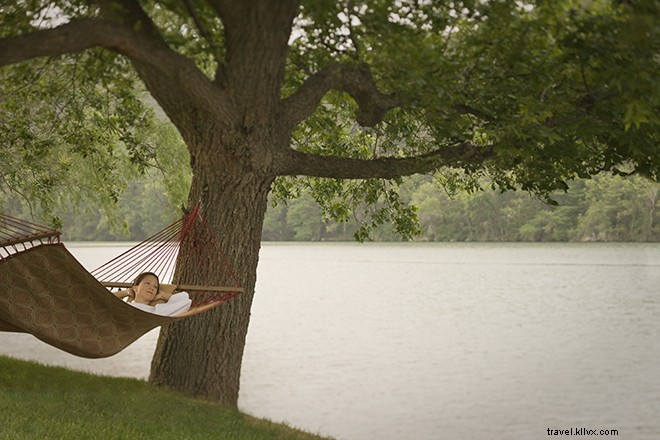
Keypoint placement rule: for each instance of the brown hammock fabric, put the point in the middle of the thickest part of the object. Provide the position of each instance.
(46, 292)
(69, 308)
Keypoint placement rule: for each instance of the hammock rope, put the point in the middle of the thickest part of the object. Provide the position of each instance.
(50, 295)
(17, 235)
(204, 261)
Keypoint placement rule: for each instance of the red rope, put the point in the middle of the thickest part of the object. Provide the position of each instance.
(143, 257)
(16, 233)
(204, 262)
(12, 228)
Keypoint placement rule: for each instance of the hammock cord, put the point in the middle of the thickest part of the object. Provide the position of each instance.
(17, 235)
(202, 260)
(155, 254)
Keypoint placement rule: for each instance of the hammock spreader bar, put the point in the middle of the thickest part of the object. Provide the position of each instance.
(18, 235)
(180, 287)
(185, 253)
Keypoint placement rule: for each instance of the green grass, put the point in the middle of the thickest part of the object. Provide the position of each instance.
(42, 402)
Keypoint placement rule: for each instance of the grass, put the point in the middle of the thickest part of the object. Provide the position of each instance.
(42, 402)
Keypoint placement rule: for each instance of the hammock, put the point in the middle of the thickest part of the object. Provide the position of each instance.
(50, 295)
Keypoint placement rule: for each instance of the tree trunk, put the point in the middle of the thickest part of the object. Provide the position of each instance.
(202, 355)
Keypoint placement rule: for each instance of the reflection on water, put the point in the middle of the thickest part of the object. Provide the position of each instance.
(424, 341)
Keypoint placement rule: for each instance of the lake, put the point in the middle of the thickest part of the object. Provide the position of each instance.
(438, 341)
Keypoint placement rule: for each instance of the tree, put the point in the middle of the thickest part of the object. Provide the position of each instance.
(618, 212)
(344, 98)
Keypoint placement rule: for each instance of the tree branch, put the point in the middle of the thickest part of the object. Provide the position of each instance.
(175, 82)
(354, 80)
(75, 36)
(86, 33)
(306, 164)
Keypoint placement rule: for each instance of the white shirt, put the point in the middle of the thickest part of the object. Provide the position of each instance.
(178, 303)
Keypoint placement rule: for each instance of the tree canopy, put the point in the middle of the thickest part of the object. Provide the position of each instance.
(342, 98)
(531, 95)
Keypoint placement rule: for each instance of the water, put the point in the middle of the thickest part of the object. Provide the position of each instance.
(439, 341)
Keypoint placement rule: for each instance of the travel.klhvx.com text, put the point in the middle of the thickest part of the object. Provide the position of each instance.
(583, 431)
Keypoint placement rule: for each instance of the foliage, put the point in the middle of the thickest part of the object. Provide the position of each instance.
(70, 142)
(606, 208)
(76, 130)
(61, 130)
(620, 212)
(545, 85)
(141, 212)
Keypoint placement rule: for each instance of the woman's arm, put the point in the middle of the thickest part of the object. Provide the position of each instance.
(130, 293)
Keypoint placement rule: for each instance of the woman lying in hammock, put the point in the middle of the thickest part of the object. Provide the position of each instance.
(145, 294)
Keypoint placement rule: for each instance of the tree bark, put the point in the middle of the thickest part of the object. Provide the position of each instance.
(202, 355)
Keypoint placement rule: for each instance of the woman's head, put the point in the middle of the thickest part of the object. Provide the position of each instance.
(146, 287)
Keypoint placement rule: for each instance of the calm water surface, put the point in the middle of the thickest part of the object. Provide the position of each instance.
(438, 341)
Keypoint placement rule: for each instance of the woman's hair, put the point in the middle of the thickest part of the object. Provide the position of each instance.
(140, 277)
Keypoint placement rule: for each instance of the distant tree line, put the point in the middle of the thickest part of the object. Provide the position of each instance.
(605, 208)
